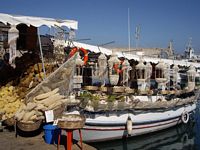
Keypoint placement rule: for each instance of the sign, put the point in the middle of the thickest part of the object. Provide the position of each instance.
(49, 116)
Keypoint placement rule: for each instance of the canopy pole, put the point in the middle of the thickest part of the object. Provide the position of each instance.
(41, 53)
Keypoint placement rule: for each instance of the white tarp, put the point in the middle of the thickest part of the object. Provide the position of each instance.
(37, 21)
(92, 48)
(132, 56)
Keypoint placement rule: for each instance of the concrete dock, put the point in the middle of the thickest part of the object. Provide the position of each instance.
(8, 141)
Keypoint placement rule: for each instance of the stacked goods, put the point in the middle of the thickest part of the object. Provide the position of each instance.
(34, 75)
(34, 111)
(10, 102)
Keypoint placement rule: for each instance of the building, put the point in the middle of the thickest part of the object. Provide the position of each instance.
(150, 52)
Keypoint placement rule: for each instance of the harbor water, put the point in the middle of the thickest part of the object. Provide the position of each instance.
(180, 137)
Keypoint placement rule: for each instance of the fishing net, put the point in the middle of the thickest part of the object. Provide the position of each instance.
(62, 78)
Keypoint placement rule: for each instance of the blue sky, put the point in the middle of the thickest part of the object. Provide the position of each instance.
(106, 20)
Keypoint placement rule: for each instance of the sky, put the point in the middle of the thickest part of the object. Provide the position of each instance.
(104, 21)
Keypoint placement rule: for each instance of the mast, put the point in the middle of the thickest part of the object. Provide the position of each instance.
(137, 35)
(129, 35)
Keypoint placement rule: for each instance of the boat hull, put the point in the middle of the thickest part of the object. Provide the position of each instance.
(114, 126)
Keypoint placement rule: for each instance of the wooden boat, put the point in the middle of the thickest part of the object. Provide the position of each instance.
(117, 124)
(141, 111)
(174, 138)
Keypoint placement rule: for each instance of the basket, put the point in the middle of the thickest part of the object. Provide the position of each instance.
(10, 121)
(28, 127)
(68, 123)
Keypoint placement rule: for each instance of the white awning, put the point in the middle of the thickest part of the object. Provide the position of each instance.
(92, 48)
(128, 56)
(37, 21)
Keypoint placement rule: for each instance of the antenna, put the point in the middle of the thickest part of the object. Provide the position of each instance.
(137, 35)
(83, 39)
(106, 43)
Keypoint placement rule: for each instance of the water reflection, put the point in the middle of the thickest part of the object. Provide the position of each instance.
(181, 137)
(196, 128)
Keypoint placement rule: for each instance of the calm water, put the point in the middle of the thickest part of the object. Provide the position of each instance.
(181, 137)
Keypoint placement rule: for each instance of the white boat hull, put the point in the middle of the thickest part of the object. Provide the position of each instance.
(113, 126)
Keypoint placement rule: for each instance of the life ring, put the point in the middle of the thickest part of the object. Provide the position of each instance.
(85, 55)
(185, 117)
(116, 67)
(75, 49)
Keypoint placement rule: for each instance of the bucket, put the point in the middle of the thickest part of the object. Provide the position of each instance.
(51, 133)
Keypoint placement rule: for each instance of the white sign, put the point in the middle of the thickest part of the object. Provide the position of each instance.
(49, 116)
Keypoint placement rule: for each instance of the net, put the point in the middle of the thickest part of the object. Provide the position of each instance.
(61, 78)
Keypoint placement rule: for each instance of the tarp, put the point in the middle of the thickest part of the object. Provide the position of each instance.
(37, 21)
(92, 48)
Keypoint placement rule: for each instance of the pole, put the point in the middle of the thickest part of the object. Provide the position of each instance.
(41, 53)
(129, 39)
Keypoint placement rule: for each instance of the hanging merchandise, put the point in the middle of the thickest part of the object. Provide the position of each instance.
(161, 75)
(78, 77)
(113, 74)
(175, 70)
(148, 75)
(126, 69)
(59, 42)
(13, 34)
(95, 70)
(191, 73)
(79, 61)
(103, 71)
(141, 76)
